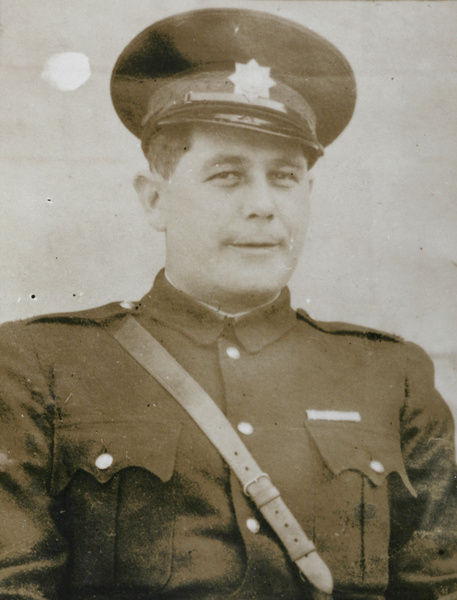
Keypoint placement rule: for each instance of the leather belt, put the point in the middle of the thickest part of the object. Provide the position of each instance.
(153, 357)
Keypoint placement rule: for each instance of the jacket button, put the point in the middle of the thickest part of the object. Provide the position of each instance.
(377, 466)
(245, 428)
(233, 352)
(253, 525)
(104, 461)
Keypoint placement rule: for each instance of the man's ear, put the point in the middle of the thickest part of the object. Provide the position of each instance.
(149, 187)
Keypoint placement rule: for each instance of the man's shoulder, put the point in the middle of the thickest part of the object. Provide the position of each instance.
(59, 336)
(97, 316)
(347, 330)
(65, 324)
(349, 340)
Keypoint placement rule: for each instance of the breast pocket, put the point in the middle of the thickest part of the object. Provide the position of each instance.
(352, 524)
(114, 483)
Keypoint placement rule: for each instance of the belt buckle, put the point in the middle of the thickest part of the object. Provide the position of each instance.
(255, 480)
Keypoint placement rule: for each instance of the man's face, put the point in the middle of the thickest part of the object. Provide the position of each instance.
(235, 214)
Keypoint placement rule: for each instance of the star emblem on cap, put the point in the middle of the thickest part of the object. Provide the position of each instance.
(252, 80)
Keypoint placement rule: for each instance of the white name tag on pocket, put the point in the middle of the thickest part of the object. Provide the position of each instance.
(333, 415)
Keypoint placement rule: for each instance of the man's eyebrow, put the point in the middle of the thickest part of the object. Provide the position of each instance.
(233, 159)
(296, 162)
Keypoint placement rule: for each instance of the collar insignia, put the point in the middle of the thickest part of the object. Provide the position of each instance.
(252, 80)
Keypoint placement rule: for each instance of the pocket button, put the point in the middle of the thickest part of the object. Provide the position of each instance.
(377, 466)
(104, 461)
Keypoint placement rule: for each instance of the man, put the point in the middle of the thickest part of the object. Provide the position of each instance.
(109, 489)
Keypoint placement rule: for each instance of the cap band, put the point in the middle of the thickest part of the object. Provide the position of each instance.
(212, 97)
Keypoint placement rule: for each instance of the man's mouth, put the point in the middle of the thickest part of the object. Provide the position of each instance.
(256, 247)
(255, 242)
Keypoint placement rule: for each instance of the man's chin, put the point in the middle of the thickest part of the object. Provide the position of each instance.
(247, 294)
(265, 281)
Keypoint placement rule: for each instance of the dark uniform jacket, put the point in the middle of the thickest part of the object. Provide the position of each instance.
(110, 491)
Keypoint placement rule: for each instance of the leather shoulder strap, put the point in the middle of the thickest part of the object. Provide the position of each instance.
(153, 357)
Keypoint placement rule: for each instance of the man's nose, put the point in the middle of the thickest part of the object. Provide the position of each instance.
(259, 201)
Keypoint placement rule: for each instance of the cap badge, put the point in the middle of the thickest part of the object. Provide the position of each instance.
(252, 80)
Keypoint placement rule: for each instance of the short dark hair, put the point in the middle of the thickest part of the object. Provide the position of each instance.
(167, 146)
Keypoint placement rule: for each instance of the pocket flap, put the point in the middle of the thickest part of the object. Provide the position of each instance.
(102, 449)
(348, 446)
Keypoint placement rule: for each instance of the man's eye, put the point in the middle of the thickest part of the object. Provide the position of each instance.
(225, 178)
(284, 178)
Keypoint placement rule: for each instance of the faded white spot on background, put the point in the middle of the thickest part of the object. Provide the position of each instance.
(67, 71)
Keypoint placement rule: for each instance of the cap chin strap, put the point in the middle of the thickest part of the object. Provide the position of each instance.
(153, 357)
(257, 118)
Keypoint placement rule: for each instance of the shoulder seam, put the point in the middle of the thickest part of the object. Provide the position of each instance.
(374, 336)
(98, 316)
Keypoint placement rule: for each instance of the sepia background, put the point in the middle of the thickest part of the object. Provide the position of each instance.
(382, 247)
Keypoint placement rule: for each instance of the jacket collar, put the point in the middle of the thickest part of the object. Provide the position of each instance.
(254, 330)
